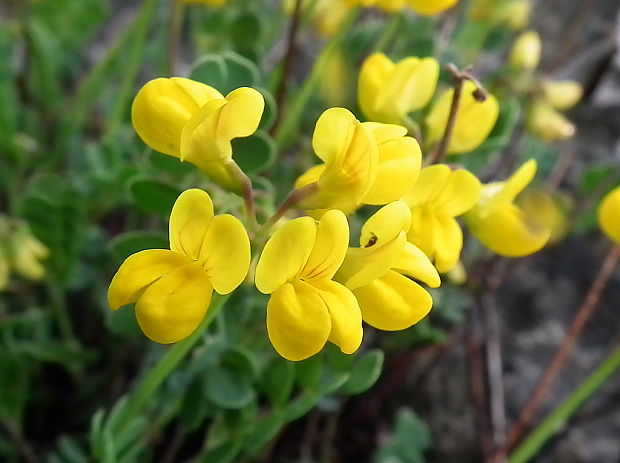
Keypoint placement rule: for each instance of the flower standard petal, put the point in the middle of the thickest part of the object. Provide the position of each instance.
(330, 247)
(189, 221)
(430, 7)
(398, 168)
(451, 239)
(460, 193)
(225, 253)
(373, 73)
(428, 185)
(298, 322)
(285, 254)
(333, 134)
(140, 270)
(385, 225)
(393, 302)
(344, 312)
(609, 215)
(171, 308)
(163, 106)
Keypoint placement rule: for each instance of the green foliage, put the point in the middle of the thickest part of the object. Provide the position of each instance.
(410, 439)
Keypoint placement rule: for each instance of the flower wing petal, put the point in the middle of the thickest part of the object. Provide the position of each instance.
(173, 307)
(225, 253)
(393, 302)
(140, 270)
(298, 322)
(344, 311)
(414, 263)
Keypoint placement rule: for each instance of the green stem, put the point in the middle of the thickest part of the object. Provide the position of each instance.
(291, 119)
(156, 376)
(59, 305)
(558, 417)
(132, 67)
(389, 33)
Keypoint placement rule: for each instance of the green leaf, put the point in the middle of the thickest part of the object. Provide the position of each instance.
(131, 242)
(278, 380)
(271, 109)
(15, 386)
(241, 72)
(241, 360)
(228, 388)
(123, 322)
(152, 195)
(263, 433)
(211, 70)
(310, 371)
(410, 439)
(254, 153)
(365, 373)
(300, 406)
(245, 30)
(194, 408)
(224, 453)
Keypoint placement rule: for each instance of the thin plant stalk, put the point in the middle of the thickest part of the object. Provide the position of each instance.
(389, 33)
(176, 22)
(293, 115)
(561, 414)
(559, 359)
(155, 377)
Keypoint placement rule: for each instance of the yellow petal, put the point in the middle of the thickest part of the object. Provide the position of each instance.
(285, 254)
(547, 123)
(330, 247)
(497, 194)
(399, 166)
(312, 175)
(225, 253)
(373, 73)
(207, 135)
(609, 214)
(393, 302)
(423, 232)
(507, 231)
(385, 225)
(459, 194)
(414, 263)
(430, 7)
(364, 265)
(298, 322)
(140, 270)
(563, 94)
(171, 308)
(449, 243)
(525, 53)
(163, 106)
(189, 221)
(474, 120)
(333, 133)
(344, 312)
(428, 185)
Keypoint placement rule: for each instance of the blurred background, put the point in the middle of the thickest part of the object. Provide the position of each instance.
(79, 192)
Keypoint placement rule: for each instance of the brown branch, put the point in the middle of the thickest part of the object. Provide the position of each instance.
(459, 77)
(288, 64)
(293, 198)
(559, 359)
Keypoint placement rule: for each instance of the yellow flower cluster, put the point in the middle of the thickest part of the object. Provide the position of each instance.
(320, 288)
(544, 118)
(20, 251)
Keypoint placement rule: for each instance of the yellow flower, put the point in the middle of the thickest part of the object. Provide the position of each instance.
(547, 123)
(369, 163)
(562, 94)
(194, 122)
(545, 209)
(377, 272)
(27, 254)
(172, 288)
(501, 225)
(439, 195)
(307, 308)
(525, 53)
(431, 7)
(609, 215)
(474, 120)
(350, 155)
(335, 90)
(387, 91)
(516, 14)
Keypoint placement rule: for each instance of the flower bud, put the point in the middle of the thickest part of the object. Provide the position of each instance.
(562, 94)
(548, 124)
(526, 51)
